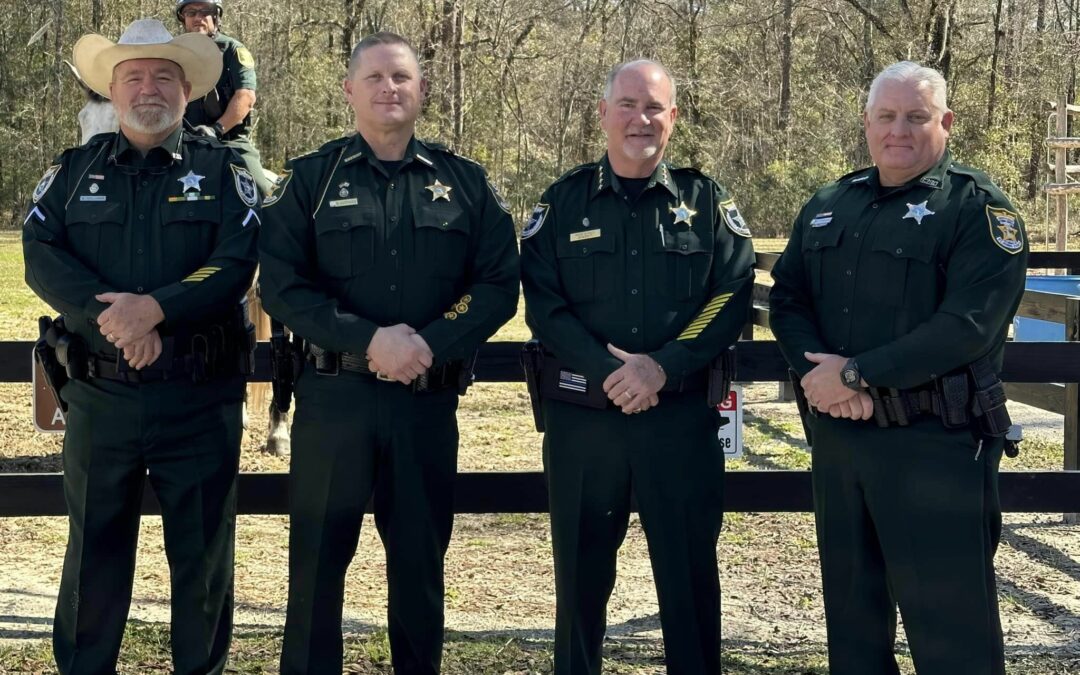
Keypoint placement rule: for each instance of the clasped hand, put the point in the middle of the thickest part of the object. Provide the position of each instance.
(635, 386)
(399, 353)
(826, 391)
(130, 324)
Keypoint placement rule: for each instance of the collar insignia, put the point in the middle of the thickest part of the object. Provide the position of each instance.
(343, 189)
(917, 212)
(439, 191)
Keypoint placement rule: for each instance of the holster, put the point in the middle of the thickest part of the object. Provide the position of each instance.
(532, 362)
(467, 374)
(286, 360)
(805, 411)
(721, 375)
(51, 334)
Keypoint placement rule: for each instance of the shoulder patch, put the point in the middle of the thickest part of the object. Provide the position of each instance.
(536, 220)
(733, 219)
(279, 188)
(499, 199)
(1005, 229)
(245, 185)
(243, 55)
(46, 182)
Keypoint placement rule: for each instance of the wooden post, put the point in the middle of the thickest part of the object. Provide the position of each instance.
(1060, 156)
(1072, 399)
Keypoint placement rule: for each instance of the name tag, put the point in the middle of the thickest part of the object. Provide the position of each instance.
(91, 198)
(351, 201)
(585, 234)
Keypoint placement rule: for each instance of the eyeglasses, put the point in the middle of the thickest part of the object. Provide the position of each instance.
(198, 13)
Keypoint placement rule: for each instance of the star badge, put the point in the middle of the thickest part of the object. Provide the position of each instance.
(439, 191)
(191, 181)
(917, 212)
(683, 214)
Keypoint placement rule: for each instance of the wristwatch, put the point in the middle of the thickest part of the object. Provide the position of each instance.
(850, 375)
(218, 129)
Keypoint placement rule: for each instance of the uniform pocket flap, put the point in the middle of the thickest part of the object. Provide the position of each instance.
(581, 249)
(817, 238)
(905, 244)
(444, 216)
(343, 219)
(193, 211)
(95, 212)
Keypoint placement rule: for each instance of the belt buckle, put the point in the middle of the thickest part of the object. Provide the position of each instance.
(384, 378)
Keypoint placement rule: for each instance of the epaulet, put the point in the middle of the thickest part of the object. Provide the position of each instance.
(443, 148)
(856, 176)
(981, 180)
(573, 172)
(675, 169)
(325, 149)
(203, 140)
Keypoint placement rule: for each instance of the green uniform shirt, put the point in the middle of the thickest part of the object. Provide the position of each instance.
(668, 274)
(349, 248)
(237, 72)
(914, 281)
(179, 224)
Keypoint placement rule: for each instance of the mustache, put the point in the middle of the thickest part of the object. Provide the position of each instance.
(151, 100)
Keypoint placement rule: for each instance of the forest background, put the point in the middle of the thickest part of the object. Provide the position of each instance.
(770, 91)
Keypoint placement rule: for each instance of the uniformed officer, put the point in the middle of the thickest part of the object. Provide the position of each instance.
(895, 278)
(145, 240)
(225, 111)
(636, 275)
(394, 259)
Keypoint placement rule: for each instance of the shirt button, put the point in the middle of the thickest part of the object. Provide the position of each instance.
(139, 251)
(683, 247)
(899, 251)
(633, 251)
(393, 287)
(393, 251)
(393, 186)
(393, 219)
(634, 330)
(633, 291)
(584, 249)
(874, 206)
(145, 183)
(845, 310)
(856, 235)
(139, 289)
(848, 272)
(142, 217)
(840, 349)
(633, 214)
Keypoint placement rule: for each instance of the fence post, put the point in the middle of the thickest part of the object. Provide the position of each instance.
(1072, 399)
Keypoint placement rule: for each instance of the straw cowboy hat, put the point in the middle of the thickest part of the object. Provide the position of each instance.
(96, 56)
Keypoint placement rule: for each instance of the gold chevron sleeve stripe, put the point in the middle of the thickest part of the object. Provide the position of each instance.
(705, 317)
(201, 274)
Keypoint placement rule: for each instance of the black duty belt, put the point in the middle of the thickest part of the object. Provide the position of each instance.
(331, 363)
(897, 407)
(179, 368)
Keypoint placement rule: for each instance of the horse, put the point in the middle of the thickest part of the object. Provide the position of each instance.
(98, 116)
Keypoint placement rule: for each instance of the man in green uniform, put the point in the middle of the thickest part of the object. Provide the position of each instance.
(225, 111)
(892, 301)
(636, 275)
(394, 259)
(145, 241)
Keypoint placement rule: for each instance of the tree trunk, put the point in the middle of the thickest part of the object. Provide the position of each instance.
(992, 94)
(785, 68)
(1038, 114)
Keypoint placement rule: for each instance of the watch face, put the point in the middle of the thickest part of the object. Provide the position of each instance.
(849, 376)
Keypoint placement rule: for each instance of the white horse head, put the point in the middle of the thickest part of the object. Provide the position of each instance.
(98, 115)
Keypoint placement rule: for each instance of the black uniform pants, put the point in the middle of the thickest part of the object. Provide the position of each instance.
(672, 460)
(354, 438)
(908, 517)
(187, 437)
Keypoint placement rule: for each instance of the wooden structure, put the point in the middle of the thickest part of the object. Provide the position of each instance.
(1062, 186)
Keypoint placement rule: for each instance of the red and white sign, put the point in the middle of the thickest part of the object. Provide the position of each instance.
(730, 434)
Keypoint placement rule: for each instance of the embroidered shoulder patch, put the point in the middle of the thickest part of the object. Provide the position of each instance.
(1005, 229)
(245, 185)
(536, 221)
(733, 219)
(46, 182)
(244, 57)
(279, 188)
